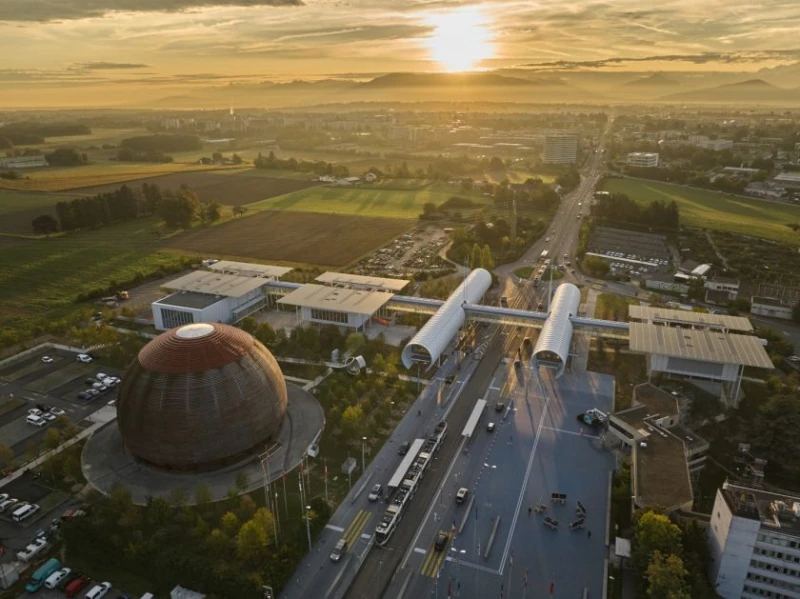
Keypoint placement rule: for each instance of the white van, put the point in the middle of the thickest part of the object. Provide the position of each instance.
(148, 596)
(35, 420)
(99, 591)
(26, 511)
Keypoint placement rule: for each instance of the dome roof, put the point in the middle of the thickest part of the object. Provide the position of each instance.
(199, 397)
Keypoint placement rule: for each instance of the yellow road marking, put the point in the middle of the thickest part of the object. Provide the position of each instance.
(433, 561)
(356, 526)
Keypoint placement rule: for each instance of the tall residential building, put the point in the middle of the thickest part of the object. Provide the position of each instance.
(644, 159)
(561, 148)
(755, 544)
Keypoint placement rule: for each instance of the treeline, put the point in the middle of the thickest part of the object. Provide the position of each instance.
(26, 132)
(620, 211)
(163, 143)
(131, 155)
(431, 211)
(319, 167)
(66, 157)
(105, 208)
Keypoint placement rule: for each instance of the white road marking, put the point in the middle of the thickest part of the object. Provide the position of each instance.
(561, 430)
(461, 562)
(365, 535)
(420, 550)
(336, 528)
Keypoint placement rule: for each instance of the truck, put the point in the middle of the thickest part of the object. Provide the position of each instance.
(36, 581)
(545, 254)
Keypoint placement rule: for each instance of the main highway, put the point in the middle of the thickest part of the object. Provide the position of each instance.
(368, 569)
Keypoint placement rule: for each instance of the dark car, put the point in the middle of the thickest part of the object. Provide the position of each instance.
(78, 584)
(441, 541)
(404, 447)
(91, 381)
(83, 395)
(68, 579)
(450, 378)
(499, 406)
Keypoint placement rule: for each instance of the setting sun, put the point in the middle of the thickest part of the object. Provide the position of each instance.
(461, 39)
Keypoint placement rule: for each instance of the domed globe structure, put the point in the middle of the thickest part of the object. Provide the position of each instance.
(200, 397)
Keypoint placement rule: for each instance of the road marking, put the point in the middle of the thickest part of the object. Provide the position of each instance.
(420, 550)
(365, 535)
(356, 526)
(466, 564)
(566, 432)
(433, 563)
(336, 528)
(525, 482)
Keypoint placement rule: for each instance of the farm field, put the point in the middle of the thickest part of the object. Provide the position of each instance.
(713, 210)
(377, 200)
(41, 278)
(229, 187)
(19, 208)
(93, 175)
(295, 237)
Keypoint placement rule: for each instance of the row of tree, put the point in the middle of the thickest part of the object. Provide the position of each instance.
(29, 132)
(163, 143)
(620, 211)
(319, 167)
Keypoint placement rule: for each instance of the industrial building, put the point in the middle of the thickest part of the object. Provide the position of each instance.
(642, 159)
(697, 345)
(23, 161)
(754, 537)
(771, 307)
(216, 295)
(561, 148)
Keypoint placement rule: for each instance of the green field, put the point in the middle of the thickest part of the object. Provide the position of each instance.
(713, 210)
(26, 201)
(363, 201)
(41, 278)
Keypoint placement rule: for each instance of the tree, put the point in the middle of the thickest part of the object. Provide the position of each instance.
(218, 542)
(242, 481)
(597, 267)
(355, 343)
(247, 506)
(44, 224)
(655, 532)
(487, 261)
(251, 542)
(52, 438)
(202, 494)
(666, 577)
(71, 467)
(475, 256)
(178, 497)
(230, 524)
(774, 436)
(352, 419)
(697, 289)
(179, 209)
(265, 519)
(6, 455)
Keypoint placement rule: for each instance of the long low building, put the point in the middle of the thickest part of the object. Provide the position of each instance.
(343, 306)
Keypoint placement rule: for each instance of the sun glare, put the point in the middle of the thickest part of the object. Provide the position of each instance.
(461, 39)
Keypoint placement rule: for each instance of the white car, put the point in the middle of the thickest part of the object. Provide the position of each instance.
(7, 503)
(794, 358)
(3, 497)
(99, 591)
(57, 411)
(35, 420)
(47, 359)
(85, 358)
(56, 577)
(112, 403)
(35, 412)
(101, 376)
(49, 416)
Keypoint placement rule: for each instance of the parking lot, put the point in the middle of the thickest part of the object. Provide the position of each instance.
(630, 252)
(408, 254)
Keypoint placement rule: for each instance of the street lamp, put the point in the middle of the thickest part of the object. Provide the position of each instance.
(363, 460)
(308, 528)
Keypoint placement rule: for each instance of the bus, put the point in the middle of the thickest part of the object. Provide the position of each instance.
(43, 573)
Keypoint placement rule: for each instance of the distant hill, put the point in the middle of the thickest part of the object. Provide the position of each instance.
(656, 80)
(409, 80)
(750, 91)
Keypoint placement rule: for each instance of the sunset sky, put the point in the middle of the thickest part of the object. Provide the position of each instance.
(150, 42)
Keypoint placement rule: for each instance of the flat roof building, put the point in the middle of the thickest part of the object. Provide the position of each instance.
(643, 159)
(561, 148)
(248, 269)
(770, 307)
(341, 306)
(342, 279)
(754, 537)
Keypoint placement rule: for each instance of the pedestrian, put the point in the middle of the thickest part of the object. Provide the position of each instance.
(589, 534)
(419, 412)
(529, 512)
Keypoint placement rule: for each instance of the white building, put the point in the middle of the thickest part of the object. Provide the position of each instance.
(561, 148)
(666, 282)
(754, 537)
(643, 159)
(716, 144)
(23, 161)
(771, 307)
(216, 296)
(720, 290)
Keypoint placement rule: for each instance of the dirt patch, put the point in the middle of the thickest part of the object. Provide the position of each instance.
(299, 237)
(233, 189)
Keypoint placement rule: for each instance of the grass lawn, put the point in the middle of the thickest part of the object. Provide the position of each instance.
(714, 210)
(42, 278)
(26, 201)
(524, 272)
(361, 201)
(102, 173)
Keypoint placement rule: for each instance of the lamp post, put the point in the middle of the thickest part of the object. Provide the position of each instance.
(308, 528)
(363, 459)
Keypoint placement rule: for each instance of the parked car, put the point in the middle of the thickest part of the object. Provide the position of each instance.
(100, 376)
(93, 392)
(3, 497)
(57, 411)
(57, 577)
(35, 420)
(49, 416)
(75, 587)
(91, 381)
(377, 491)
(85, 358)
(68, 579)
(99, 591)
(8, 503)
(34, 412)
(84, 395)
(47, 359)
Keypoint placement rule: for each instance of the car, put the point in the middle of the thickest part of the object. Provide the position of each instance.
(49, 416)
(441, 541)
(85, 358)
(68, 579)
(47, 359)
(339, 550)
(35, 412)
(57, 577)
(449, 379)
(3, 497)
(490, 427)
(8, 503)
(57, 411)
(98, 385)
(35, 420)
(112, 403)
(593, 418)
(404, 447)
(83, 395)
(377, 491)
(101, 376)
(93, 392)
(91, 381)
(75, 587)
(499, 406)
(794, 358)
(461, 495)
(99, 591)
(111, 382)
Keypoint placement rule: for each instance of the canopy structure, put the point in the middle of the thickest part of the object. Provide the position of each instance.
(552, 347)
(431, 340)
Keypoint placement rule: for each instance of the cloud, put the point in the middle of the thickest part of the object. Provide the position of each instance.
(701, 58)
(42, 11)
(108, 66)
